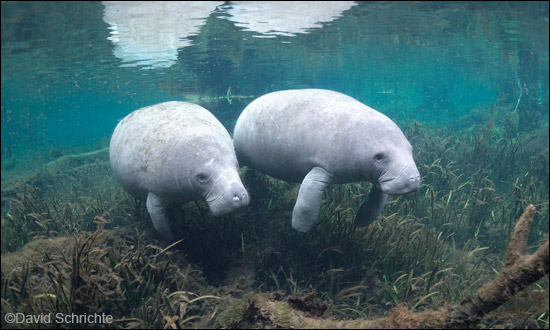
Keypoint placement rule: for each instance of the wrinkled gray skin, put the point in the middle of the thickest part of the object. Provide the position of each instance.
(319, 137)
(176, 152)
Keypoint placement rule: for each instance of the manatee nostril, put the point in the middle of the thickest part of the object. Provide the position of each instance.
(414, 179)
(236, 199)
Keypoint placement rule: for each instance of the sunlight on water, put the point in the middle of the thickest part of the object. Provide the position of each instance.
(149, 34)
(284, 18)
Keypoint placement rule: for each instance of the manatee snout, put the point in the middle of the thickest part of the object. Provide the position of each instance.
(405, 182)
(414, 182)
(232, 198)
(239, 195)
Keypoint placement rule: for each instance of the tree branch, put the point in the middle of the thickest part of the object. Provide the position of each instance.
(519, 271)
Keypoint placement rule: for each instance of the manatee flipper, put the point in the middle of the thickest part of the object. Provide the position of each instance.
(158, 210)
(372, 207)
(308, 205)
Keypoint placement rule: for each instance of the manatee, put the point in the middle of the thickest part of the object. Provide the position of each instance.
(319, 137)
(175, 152)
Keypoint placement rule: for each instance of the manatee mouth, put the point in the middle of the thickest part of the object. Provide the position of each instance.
(406, 181)
(213, 200)
(385, 180)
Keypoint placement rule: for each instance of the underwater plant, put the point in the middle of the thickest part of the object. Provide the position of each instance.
(520, 270)
(427, 249)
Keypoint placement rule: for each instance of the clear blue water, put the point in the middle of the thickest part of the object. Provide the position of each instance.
(468, 82)
(71, 70)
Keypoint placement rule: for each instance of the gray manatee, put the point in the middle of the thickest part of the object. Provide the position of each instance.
(318, 137)
(176, 152)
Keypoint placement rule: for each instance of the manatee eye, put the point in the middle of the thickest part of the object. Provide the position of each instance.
(202, 177)
(379, 156)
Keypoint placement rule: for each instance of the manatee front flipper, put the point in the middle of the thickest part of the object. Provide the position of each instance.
(158, 210)
(372, 207)
(308, 205)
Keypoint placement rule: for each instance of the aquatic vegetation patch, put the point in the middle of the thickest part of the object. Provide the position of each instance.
(116, 273)
(436, 245)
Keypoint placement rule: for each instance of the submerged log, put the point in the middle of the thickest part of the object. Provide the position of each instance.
(520, 270)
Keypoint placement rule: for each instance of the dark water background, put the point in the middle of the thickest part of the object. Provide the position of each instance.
(468, 82)
(63, 86)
